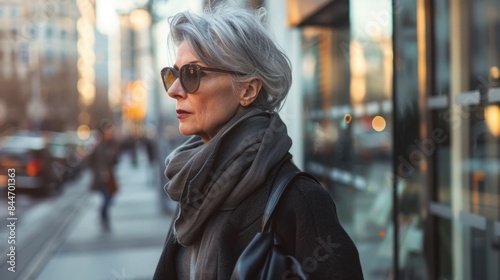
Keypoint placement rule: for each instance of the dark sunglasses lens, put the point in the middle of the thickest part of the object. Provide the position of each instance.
(169, 78)
(190, 78)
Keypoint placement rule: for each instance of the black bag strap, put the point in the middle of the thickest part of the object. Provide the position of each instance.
(276, 192)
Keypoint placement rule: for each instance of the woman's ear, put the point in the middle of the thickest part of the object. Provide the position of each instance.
(250, 91)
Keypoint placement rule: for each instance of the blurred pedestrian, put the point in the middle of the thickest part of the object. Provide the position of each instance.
(102, 162)
(228, 81)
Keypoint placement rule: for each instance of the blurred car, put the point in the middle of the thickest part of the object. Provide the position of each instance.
(63, 149)
(77, 151)
(30, 157)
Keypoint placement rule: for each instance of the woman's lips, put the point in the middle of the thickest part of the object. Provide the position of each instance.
(182, 114)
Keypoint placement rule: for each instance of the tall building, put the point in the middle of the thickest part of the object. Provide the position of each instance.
(38, 57)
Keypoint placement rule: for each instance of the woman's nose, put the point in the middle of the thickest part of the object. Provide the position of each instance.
(176, 91)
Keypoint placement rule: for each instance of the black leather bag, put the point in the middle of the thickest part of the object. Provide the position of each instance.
(262, 259)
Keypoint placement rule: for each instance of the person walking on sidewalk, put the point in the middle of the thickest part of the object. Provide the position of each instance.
(102, 162)
(228, 81)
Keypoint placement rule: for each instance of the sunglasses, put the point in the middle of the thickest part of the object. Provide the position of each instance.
(190, 76)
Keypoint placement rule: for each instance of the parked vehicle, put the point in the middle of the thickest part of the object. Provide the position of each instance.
(66, 153)
(31, 159)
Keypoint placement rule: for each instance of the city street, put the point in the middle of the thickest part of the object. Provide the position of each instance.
(394, 107)
(60, 237)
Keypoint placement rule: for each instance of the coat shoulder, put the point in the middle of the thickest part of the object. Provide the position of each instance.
(306, 220)
(309, 204)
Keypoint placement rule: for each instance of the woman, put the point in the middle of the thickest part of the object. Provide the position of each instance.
(228, 79)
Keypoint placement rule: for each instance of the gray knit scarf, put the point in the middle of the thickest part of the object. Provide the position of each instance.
(221, 173)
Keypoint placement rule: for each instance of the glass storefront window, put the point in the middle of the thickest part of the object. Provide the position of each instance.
(371, 126)
(480, 122)
(484, 43)
(326, 134)
(441, 87)
(347, 91)
(414, 145)
(442, 156)
(444, 268)
(447, 195)
(441, 47)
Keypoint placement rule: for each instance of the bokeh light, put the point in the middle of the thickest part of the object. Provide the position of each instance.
(83, 132)
(378, 123)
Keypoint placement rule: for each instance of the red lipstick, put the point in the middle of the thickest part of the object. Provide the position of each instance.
(182, 114)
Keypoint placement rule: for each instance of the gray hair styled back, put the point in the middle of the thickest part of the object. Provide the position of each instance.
(234, 38)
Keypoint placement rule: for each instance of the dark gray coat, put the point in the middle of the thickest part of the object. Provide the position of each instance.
(102, 160)
(305, 220)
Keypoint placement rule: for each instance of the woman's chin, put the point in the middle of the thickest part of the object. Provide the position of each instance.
(186, 130)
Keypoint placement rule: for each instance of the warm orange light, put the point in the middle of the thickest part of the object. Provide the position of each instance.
(134, 106)
(381, 233)
(83, 132)
(477, 177)
(358, 72)
(378, 123)
(492, 118)
(347, 118)
(86, 55)
(139, 91)
(495, 72)
(32, 168)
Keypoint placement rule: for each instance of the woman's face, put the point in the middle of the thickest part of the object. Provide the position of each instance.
(204, 112)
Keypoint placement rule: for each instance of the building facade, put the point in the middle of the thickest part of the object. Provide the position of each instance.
(38, 57)
(402, 120)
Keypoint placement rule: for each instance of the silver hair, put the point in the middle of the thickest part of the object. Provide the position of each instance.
(233, 38)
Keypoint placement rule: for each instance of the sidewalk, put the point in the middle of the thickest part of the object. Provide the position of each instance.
(133, 246)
